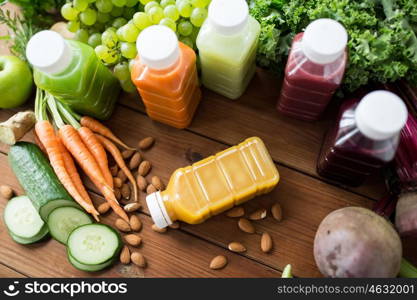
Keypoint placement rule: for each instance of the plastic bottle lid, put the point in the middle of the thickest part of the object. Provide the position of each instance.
(228, 16)
(48, 52)
(158, 47)
(324, 41)
(381, 115)
(158, 211)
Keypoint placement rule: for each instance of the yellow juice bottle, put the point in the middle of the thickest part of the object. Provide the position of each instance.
(215, 184)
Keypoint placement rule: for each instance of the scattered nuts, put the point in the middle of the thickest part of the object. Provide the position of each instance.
(266, 242)
(258, 214)
(6, 192)
(122, 225)
(117, 182)
(127, 154)
(103, 208)
(146, 143)
(135, 161)
(246, 226)
(142, 183)
(133, 240)
(237, 247)
(117, 193)
(236, 212)
(114, 170)
(151, 189)
(276, 211)
(157, 229)
(131, 207)
(125, 255)
(218, 262)
(125, 191)
(135, 223)
(122, 175)
(175, 225)
(138, 259)
(157, 183)
(144, 168)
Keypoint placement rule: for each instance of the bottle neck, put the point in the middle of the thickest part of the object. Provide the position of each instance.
(161, 209)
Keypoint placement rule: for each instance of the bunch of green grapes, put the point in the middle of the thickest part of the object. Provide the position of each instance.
(111, 27)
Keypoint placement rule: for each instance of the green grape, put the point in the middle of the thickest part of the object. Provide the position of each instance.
(111, 59)
(119, 3)
(131, 64)
(149, 5)
(68, 12)
(128, 12)
(119, 22)
(141, 20)
(80, 5)
(104, 6)
(73, 26)
(200, 3)
(128, 50)
(187, 40)
(103, 17)
(121, 71)
(169, 23)
(94, 40)
(130, 33)
(144, 2)
(165, 3)
(185, 28)
(102, 52)
(185, 8)
(91, 1)
(131, 3)
(109, 38)
(120, 34)
(171, 12)
(88, 17)
(198, 16)
(116, 11)
(155, 14)
(98, 27)
(111, 28)
(128, 86)
(81, 35)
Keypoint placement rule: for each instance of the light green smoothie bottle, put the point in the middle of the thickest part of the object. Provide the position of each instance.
(71, 71)
(227, 44)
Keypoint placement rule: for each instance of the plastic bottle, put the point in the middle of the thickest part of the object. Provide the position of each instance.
(314, 70)
(364, 138)
(215, 184)
(227, 44)
(71, 71)
(165, 75)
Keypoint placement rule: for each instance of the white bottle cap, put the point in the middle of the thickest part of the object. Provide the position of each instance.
(228, 16)
(381, 115)
(324, 41)
(158, 211)
(48, 52)
(158, 47)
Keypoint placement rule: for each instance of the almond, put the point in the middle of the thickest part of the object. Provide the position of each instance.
(266, 242)
(6, 192)
(236, 212)
(151, 189)
(144, 168)
(142, 182)
(218, 262)
(157, 183)
(122, 175)
(258, 214)
(103, 208)
(246, 226)
(125, 191)
(138, 259)
(127, 154)
(125, 255)
(114, 170)
(157, 229)
(276, 211)
(131, 207)
(117, 182)
(237, 247)
(122, 225)
(117, 193)
(133, 240)
(135, 223)
(146, 143)
(135, 161)
(175, 225)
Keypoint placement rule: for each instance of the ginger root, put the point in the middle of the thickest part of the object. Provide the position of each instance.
(16, 127)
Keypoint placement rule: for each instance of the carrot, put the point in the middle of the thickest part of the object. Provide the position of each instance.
(114, 151)
(97, 127)
(49, 140)
(97, 150)
(39, 143)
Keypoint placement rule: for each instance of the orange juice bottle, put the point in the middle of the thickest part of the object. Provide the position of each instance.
(215, 184)
(165, 75)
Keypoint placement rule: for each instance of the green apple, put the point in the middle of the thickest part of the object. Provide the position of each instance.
(15, 81)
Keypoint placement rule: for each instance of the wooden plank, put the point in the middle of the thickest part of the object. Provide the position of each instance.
(6, 272)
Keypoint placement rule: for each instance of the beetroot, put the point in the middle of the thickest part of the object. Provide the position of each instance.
(406, 214)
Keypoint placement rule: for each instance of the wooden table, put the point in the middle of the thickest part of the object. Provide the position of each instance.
(219, 123)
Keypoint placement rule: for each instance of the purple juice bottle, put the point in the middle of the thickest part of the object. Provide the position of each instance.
(364, 138)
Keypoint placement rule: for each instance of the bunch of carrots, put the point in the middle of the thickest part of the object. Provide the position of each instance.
(67, 136)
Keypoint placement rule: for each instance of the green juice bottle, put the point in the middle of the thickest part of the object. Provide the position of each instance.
(227, 44)
(71, 71)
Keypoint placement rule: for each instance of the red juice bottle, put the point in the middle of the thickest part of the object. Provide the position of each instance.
(314, 71)
(364, 138)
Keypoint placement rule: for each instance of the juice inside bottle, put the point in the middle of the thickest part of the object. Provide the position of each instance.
(165, 75)
(227, 44)
(71, 71)
(363, 139)
(215, 184)
(314, 70)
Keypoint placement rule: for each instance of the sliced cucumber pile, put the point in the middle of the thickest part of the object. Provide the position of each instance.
(23, 221)
(63, 220)
(93, 247)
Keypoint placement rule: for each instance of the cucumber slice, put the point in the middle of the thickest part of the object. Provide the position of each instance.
(63, 220)
(89, 268)
(44, 232)
(21, 218)
(94, 244)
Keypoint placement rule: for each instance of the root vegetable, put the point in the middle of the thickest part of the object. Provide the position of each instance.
(16, 127)
(406, 214)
